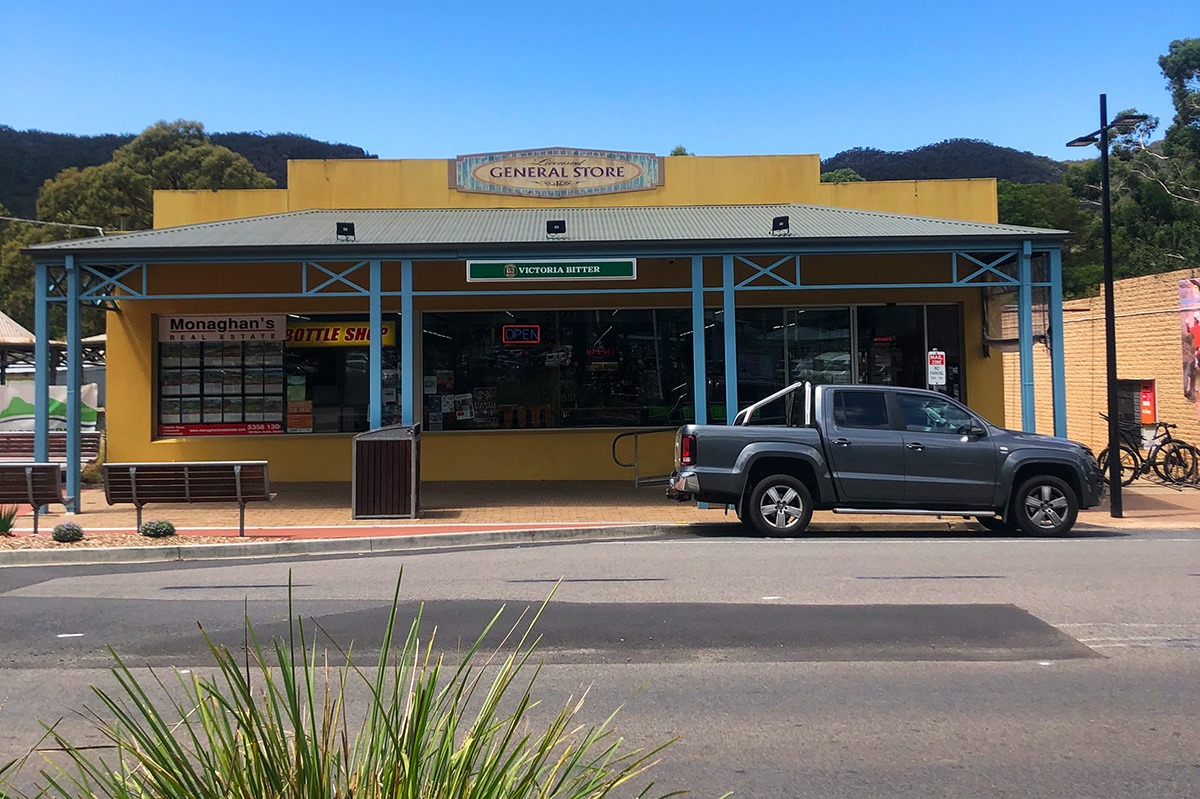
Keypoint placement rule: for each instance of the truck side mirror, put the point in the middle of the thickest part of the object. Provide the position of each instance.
(972, 430)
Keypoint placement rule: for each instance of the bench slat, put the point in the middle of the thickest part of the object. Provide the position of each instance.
(19, 445)
(185, 482)
(36, 484)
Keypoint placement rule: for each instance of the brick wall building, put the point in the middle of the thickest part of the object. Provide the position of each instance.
(1148, 347)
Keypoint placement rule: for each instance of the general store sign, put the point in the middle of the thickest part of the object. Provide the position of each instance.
(222, 327)
(336, 334)
(556, 173)
(595, 269)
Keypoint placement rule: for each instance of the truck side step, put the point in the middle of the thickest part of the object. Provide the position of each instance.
(916, 512)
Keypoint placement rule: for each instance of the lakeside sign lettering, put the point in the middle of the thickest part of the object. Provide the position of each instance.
(556, 173)
(595, 269)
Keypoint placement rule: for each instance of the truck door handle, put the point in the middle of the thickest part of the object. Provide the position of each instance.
(842, 442)
(917, 445)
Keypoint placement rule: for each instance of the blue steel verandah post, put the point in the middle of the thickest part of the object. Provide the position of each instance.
(729, 325)
(375, 347)
(41, 361)
(1058, 364)
(74, 384)
(1025, 336)
(408, 330)
(699, 378)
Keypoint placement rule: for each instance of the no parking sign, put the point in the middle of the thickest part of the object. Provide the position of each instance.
(936, 368)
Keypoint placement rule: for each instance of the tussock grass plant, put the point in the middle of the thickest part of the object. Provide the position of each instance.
(8, 520)
(276, 726)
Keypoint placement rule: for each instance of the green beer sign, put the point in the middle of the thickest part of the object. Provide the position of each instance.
(593, 269)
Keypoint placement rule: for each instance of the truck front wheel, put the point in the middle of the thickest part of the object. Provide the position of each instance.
(780, 505)
(1045, 505)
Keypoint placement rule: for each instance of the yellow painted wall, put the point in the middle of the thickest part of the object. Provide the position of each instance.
(191, 207)
(424, 183)
(688, 180)
(528, 455)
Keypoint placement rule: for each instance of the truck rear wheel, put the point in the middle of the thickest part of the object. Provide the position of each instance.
(780, 505)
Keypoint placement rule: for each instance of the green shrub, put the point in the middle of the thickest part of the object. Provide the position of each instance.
(273, 721)
(67, 532)
(8, 519)
(157, 528)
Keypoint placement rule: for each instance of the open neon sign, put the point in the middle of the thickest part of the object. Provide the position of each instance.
(521, 334)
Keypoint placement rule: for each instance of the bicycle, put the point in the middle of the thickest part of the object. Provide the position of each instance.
(1172, 459)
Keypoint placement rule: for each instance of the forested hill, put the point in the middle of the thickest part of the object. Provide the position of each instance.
(30, 157)
(954, 158)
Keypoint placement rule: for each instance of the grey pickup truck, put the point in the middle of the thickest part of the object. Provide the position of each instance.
(881, 449)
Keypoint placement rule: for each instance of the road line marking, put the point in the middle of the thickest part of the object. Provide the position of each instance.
(70, 635)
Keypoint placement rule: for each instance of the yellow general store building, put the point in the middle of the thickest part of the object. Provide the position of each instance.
(526, 307)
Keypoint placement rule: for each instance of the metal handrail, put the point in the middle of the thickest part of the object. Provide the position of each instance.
(638, 480)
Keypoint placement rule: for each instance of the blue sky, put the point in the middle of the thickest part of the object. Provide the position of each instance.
(429, 79)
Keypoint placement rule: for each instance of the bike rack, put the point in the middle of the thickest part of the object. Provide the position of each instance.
(638, 480)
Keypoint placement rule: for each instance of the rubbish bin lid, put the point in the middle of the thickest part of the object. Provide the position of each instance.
(394, 432)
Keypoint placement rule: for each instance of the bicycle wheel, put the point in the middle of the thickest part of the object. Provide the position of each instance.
(1130, 466)
(1175, 462)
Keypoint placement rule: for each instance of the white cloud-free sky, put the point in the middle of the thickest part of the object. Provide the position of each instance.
(438, 79)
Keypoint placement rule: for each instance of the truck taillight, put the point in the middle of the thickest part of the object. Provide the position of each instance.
(687, 450)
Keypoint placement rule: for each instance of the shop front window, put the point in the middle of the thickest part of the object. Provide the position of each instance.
(780, 346)
(311, 375)
(220, 387)
(894, 341)
(556, 369)
(326, 363)
(891, 345)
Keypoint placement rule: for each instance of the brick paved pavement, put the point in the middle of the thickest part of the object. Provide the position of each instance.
(323, 510)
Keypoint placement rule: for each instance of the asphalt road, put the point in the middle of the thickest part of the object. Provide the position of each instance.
(836, 666)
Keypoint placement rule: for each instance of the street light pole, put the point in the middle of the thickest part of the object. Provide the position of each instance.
(1116, 506)
(1115, 503)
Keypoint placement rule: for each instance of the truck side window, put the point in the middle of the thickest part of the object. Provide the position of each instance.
(860, 409)
(923, 414)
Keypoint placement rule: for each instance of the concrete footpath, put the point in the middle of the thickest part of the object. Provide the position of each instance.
(310, 519)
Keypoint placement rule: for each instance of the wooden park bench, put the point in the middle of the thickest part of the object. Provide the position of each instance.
(16, 446)
(31, 483)
(140, 484)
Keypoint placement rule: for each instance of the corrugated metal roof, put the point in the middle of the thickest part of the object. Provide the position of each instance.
(492, 226)
(12, 334)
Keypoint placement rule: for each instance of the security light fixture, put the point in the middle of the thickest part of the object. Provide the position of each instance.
(1096, 136)
(345, 231)
(780, 226)
(1129, 119)
(556, 227)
